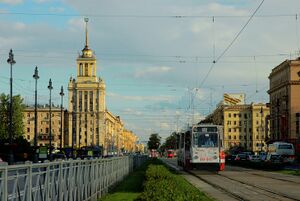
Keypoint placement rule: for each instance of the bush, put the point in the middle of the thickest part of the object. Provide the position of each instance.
(162, 185)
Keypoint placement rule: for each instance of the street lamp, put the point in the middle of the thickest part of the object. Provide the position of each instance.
(36, 77)
(50, 121)
(11, 61)
(61, 115)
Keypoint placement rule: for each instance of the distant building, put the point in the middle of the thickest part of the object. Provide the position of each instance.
(285, 101)
(87, 122)
(43, 125)
(244, 125)
(86, 102)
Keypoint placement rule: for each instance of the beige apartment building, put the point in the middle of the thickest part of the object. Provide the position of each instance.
(285, 101)
(43, 125)
(245, 125)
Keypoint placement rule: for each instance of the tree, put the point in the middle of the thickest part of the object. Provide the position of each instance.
(171, 141)
(17, 118)
(154, 141)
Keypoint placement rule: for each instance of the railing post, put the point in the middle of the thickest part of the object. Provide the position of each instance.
(29, 179)
(4, 183)
(60, 180)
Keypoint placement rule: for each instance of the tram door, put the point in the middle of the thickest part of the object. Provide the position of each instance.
(187, 148)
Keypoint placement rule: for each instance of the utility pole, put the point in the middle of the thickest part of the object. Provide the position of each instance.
(61, 116)
(11, 61)
(36, 77)
(50, 121)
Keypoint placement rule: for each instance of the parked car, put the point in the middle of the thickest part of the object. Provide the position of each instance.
(240, 157)
(274, 158)
(262, 156)
(254, 158)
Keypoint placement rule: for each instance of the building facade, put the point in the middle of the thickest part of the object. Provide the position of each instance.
(87, 122)
(43, 122)
(285, 101)
(245, 125)
(86, 102)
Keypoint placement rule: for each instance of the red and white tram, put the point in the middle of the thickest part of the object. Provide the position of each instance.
(201, 147)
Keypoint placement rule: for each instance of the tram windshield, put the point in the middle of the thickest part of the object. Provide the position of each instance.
(205, 140)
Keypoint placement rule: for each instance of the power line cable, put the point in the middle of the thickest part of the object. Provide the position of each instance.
(140, 16)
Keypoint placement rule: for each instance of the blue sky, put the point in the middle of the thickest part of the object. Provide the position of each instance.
(152, 63)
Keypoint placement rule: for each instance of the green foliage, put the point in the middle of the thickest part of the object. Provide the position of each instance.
(154, 141)
(170, 142)
(17, 118)
(162, 185)
(130, 188)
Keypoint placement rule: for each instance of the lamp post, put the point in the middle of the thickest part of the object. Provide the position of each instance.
(61, 115)
(50, 121)
(11, 61)
(36, 77)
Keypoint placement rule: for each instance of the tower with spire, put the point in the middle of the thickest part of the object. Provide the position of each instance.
(86, 101)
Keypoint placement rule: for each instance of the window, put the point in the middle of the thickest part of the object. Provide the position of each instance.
(28, 114)
(85, 101)
(80, 101)
(86, 69)
(28, 130)
(298, 124)
(234, 137)
(229, 129)
(93, 68)
(234, 122)
(240, 123)
(245, 137)
(80, 69)
(229, 114)
(28, 137)
(257, 137)
(229, 137)
(245, 115)
(228, 122)
(234, 115)
(234, 130)
(47, 130)
(91, 101)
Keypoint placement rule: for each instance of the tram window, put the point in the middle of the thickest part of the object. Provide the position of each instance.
(206, 140)
(205, 129)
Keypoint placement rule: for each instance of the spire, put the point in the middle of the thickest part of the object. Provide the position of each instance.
(86, 31)
(86, 52)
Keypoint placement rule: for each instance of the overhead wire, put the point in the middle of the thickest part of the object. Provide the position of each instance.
(225, 51)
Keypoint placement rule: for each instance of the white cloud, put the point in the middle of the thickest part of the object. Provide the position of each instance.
(41, 1)
(153, 71)
(56, 9)
(11, 2)
(19, 26)
(140, 98)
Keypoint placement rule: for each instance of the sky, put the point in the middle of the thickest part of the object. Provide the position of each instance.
(155, 56)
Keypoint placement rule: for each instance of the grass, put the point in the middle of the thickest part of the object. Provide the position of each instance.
(154, 181)
(290, 172)
(130, 188)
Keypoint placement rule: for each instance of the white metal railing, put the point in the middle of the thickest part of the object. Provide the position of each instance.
(71, 180)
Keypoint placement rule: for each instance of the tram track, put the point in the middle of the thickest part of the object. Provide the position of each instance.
(263, 174)
(243, 190)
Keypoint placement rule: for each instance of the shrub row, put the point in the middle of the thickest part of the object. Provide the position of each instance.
(162, 185)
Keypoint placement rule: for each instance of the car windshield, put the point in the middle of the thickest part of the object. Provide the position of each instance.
(285, 146)
(205, 140)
